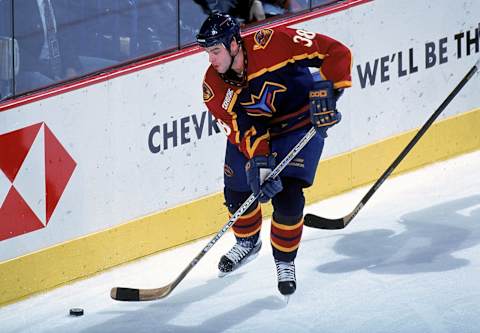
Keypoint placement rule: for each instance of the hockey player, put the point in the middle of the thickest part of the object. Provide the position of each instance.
(260, 90)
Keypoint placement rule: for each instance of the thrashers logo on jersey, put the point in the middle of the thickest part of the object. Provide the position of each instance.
(262, 38)
(264, 103)
(207, 92)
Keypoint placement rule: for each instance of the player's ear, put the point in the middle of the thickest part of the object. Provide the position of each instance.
(234, 45)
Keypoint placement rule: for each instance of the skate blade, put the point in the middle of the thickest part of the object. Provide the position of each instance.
(286, 299)
(223, 274)
(253, 256)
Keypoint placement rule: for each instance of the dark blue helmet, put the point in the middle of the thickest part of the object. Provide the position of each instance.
(218, 28)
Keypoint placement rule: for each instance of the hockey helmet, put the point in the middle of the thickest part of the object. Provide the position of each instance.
(218, 28)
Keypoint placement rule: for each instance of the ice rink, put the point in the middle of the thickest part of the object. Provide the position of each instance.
(409, 262)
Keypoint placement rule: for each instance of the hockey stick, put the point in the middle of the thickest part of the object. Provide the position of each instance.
(319, 222)
(131, 294)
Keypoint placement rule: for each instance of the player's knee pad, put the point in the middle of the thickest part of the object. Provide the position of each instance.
(290, 201)
(249, 224)
(234, 176)
(234, 199)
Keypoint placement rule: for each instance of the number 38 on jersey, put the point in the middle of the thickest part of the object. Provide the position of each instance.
(305, 37)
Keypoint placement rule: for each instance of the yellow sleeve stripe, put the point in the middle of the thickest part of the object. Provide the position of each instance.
(251, 148)
(321, 74)
(339, 84)
(342, 84)
(284, 63)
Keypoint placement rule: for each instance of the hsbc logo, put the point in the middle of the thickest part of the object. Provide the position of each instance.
(34, 171)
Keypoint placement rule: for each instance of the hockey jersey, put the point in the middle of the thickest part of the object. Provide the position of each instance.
(274, 99)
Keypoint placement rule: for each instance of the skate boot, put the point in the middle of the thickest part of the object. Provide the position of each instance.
(242, 252)
(286, 277)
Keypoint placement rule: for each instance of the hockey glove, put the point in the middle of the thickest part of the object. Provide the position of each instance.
(323, 101)
(257, 169)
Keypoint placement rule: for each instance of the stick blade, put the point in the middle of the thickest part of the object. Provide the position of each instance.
(318, 222)
(125, 294)
(137, 295)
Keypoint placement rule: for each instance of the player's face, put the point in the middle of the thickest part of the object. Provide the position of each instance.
(219, 57)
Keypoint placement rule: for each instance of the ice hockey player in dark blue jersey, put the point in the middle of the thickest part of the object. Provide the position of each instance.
(261, 91)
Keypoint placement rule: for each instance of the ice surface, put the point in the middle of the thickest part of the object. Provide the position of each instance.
(409, 262)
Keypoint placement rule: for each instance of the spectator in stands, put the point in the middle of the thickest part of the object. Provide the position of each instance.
(122, 30)
(49, 43)
(245, 11)
(8, 54)
(47, 52)
(6, 50)
(257, 12)
(155, 21)
(275, 7)
(280, 7)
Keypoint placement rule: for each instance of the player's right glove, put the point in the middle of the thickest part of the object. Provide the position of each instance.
(323, 102)
(257, 169)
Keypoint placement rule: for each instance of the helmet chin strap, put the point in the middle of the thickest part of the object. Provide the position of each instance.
(232, 57)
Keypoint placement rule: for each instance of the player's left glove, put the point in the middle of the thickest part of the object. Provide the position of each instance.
(323, 106)
(257, 169)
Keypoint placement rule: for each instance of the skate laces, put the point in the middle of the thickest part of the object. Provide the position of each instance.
(285, 270)
(238, 252)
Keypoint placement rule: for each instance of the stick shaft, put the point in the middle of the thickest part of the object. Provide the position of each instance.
(243, 208)
(325, 223)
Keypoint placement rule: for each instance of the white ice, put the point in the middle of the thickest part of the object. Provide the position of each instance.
(409, 262)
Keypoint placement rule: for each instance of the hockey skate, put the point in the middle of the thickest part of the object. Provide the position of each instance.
(287, 283)
(242, 252)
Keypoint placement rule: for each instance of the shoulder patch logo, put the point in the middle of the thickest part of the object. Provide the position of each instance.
(207, 92)
(262, 38)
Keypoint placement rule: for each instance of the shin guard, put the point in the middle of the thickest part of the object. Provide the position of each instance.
(286, 233)
(287, 220)
(250, 223)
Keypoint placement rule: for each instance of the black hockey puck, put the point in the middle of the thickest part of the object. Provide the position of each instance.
(76, 312)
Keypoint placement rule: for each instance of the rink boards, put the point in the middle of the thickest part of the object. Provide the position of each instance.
(113, 169)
